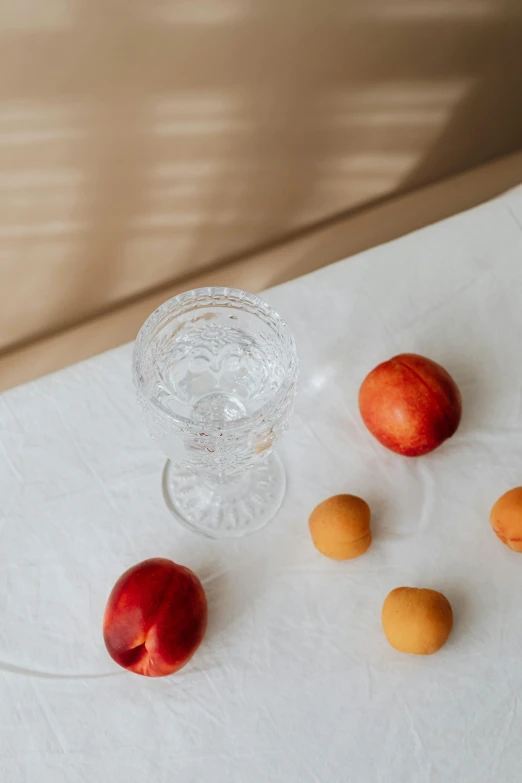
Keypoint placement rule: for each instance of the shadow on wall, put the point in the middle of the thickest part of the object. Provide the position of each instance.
(142, 142)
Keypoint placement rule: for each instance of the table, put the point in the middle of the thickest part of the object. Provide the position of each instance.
(294, 681)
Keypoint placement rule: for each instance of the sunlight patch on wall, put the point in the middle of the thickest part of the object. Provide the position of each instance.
(188, 170)
(407, 96)
(191, 186)
(33, 15)
(48, 178)
(194, 12)
(42, 181)
(377, 118)
(425, 107)
(40, 203)
(198, 113)
(29, 122)
(53, 228)
(43, 221)
(345, 181)
(395, 163)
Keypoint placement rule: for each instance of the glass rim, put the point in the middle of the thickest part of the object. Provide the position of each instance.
(265, 411)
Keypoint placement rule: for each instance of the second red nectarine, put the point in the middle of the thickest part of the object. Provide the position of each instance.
(155, 618)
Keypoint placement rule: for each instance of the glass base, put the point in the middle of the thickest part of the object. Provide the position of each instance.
(241, 506)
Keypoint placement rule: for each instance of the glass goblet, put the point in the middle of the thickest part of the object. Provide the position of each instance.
(215, 372)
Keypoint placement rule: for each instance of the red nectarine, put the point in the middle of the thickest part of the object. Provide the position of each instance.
(155, 618)
(410, 404)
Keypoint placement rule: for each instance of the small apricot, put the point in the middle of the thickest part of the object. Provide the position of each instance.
(417, 620)
(506, 519)
(340, 527)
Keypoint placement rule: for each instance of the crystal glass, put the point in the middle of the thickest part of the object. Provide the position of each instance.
(215, 372)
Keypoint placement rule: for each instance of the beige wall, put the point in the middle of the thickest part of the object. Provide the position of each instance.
(142, 141)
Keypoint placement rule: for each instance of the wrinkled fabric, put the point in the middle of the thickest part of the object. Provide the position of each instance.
(294, 680)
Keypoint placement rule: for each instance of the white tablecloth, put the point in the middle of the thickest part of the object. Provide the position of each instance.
(294, 681)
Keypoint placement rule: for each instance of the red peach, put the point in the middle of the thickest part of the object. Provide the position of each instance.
(155, 618)
(410, 404)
